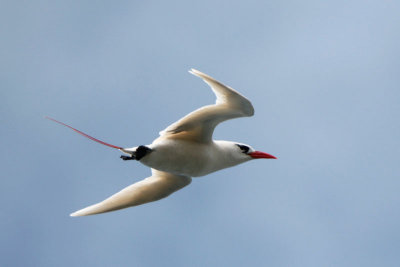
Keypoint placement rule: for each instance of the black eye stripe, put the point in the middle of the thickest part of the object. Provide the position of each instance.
(244, 149)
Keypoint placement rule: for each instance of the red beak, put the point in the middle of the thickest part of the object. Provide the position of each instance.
(261, 155)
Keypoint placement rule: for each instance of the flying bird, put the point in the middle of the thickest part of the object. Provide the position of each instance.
(183, 150)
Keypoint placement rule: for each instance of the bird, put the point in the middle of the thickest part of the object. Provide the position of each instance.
(183, 150)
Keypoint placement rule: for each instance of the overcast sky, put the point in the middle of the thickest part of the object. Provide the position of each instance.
(323, 77)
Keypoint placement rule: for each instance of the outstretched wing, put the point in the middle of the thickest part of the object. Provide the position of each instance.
(158, 186)
(199, 125)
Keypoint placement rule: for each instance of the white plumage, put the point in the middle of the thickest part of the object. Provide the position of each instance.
(184, 149)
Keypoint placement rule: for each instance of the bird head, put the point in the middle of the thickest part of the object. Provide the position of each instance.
(251, 152)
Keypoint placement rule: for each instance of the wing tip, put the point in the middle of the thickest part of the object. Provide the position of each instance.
(90, 210)
(207, 78)
(77, 214)
(192, 71)
(197, 73)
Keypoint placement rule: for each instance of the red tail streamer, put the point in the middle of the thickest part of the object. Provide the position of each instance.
(85, 135)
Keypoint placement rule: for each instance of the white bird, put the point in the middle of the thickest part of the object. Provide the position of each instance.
(184, 149)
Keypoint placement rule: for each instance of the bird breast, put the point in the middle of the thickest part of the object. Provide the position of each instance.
(186, 158)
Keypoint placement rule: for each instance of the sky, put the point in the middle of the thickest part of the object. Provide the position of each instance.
(323, 77)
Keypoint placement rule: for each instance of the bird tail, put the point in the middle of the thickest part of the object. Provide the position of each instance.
(84, 134)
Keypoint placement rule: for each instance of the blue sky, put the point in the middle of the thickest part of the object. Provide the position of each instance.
(323, 77)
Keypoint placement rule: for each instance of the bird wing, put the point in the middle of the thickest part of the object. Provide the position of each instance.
(158, 186)
(199, 125)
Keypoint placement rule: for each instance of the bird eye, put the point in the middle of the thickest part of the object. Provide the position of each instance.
(244, 149)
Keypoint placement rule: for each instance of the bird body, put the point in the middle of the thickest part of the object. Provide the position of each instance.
(184, 149)
(191, 158)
